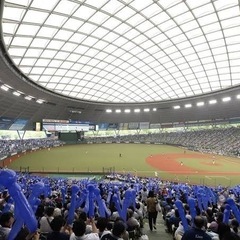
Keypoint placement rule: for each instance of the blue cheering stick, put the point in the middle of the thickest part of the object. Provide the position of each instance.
(101, 204)
(234, 208)
(226, 214)
(25, 214)
(117, 204)
(82, 198)
(126, 203)
(91, 198)
(74, 191)
(182, 215)
(192, 207)
(33, 199)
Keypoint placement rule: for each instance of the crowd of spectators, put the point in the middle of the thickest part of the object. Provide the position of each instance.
(210, 222)
(223, 141)
(54, 208)
(8, 147)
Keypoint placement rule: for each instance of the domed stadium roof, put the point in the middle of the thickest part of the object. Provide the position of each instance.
(131, 51)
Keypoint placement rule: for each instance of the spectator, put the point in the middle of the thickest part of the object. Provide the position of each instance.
(79, 230)
(180, 229)
(102, 224)
(196, 232)
(24, 234)
(132, 222)
(6, 221)
(144, 194)
(223, 230)
(209, 215)
(173, 221)
(234, 226)
(230, 236)
(57, 229)
(45, 221)
(118, 231)
(151, 209)
(212, 231)
(83, 216)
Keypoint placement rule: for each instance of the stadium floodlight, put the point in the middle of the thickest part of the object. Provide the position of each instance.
(75, 111)
(176, 107)
(127, 110)
(212, 101)
(199, 104)
(189, 105)
(226, 99)
(109, 110)
(5, 87)
(40, 101)
(16, 93)
(146, 109)
(118, 110)
(29, 98)
(154, 109)
(137, 110)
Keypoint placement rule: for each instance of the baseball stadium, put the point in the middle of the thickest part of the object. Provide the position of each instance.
(111, 106)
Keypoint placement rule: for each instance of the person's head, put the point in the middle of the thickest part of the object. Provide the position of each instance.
(57, 212)
(213, 227)
(235, 225)
(49, 211)
(219, 217)
(79, 227)
(109, 226)
(83, 216)
(40, 210)
(230, 236)
(6, 219)
(102, 224)
(176, 212)
(198, 222)
(169, 201)
(130, 213)
(223, 229)
(59, 205)
(57, 223)
(151, 193)
(119, 228)
(209, 212)
(198, 211)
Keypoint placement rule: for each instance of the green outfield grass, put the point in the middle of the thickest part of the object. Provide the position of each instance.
(90, 157)
(94, 157)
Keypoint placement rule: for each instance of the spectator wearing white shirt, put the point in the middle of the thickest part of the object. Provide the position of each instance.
(79, 229)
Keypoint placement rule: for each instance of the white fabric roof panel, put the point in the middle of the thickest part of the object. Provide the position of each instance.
(129, 51)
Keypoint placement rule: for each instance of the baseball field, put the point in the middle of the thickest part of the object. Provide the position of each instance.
(165, 162)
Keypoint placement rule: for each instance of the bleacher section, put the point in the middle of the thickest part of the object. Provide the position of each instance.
(216, 141)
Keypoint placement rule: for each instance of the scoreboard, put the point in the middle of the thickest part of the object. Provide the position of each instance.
(52, 125)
